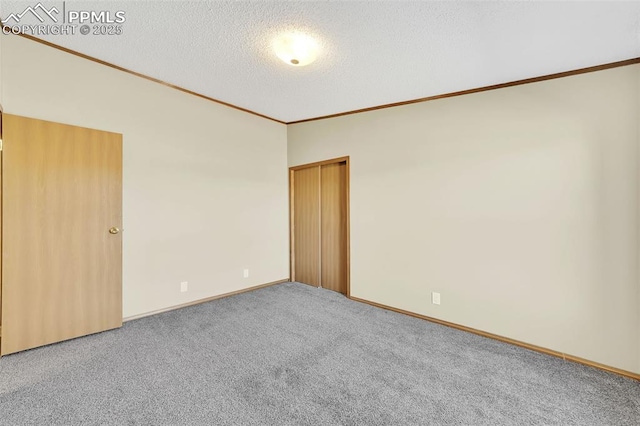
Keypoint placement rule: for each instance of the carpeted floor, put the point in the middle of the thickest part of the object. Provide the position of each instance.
(294, 355)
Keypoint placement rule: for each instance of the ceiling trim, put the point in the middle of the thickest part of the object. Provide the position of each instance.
(578, 71)
(610, 65)
(146, 77)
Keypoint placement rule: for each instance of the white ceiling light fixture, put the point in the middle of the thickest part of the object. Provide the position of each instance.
(296, 48)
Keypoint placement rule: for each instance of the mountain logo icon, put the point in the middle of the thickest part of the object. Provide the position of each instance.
(39, 11)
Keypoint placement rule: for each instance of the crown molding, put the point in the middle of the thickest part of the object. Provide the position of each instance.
(137, 74)
(479, 89)
(595, 68)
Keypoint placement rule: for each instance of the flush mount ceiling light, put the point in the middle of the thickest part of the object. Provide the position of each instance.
(296, 48)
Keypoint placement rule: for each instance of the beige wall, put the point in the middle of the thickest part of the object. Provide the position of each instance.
(520, 206)
(205, 186)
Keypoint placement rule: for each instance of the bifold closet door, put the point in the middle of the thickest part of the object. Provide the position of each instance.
(333, 231)
(306, 225)
(61, 247)
(319, 225)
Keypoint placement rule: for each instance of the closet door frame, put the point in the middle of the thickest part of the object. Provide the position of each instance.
(292, 260)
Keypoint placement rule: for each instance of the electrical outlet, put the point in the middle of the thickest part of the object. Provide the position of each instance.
(245, 273)
(435, 298)
(184, 286)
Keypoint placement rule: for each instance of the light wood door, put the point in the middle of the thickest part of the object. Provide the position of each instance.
(306, 225)
(320, 224)
(333, 235)
(0, 232)
(61, 267)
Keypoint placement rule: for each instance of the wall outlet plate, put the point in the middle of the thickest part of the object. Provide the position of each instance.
(245, 273)
(184, 286)
(435, 298)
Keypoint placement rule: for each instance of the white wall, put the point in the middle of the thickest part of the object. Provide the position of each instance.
(205, 186)
(519, 205)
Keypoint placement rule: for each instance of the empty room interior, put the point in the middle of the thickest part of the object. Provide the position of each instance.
(336, 212)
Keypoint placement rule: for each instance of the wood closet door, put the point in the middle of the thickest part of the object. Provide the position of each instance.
(320, 224)
(333, 235)
(306, 225)
(62, 246)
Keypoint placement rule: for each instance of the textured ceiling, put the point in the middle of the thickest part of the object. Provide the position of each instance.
(372, 53)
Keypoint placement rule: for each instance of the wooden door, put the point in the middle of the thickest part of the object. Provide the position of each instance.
(333, 235)
(320, 225)
(0, 230)
(61, 265)
(306, 225)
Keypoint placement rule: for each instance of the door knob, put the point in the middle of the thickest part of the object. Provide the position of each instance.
(114, 230)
